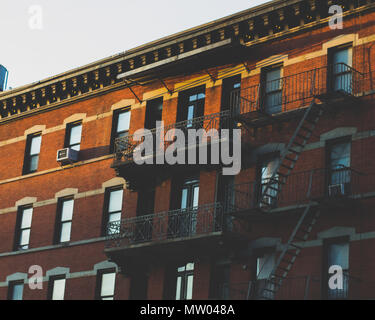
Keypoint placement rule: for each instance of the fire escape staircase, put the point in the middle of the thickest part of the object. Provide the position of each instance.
(270, 194)
(289, 156)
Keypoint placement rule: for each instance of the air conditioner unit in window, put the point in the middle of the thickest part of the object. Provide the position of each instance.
(338, 190)
(67, 155)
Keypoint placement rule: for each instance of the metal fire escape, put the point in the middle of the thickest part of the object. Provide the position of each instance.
(318, 83)
(273, 187)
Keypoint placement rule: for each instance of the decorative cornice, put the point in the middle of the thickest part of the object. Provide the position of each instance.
(259, 23)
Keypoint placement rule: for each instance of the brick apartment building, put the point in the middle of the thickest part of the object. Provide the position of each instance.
(102, 227)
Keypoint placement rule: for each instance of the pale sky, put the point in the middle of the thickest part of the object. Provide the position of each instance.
(77, 32)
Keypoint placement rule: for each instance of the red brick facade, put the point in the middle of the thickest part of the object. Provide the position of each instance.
(88, 179)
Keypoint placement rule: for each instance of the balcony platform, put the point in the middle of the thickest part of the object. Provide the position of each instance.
(191, 233)
(193, 247)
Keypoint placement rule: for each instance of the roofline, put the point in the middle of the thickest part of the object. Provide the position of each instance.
(153, 45)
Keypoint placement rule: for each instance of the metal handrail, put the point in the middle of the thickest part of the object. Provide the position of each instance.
(125, 146)
(180, 223)
(300, 187)
(302, 86)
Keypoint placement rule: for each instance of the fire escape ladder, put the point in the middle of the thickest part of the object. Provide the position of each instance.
(290, 253)
(289, 157)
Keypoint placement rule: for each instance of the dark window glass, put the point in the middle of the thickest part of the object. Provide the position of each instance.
(32, 152)
(272, 89)
(154, 112)
(339, 162)
(219, 283)
(229, 85)
(183, 221)
(191, 106)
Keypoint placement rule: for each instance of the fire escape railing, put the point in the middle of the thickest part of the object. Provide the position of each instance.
(181, 223)
(306, 287)
(300, 188)
(164, 136)
(297, 90)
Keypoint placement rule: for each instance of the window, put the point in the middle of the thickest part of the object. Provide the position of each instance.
(23, 228)
(219, 283)
(113, 209)
(145, 206)
(106, 285)
(229, 85)
(337, 254)
(268, 167)
(264, 264)
(272, 89)
(57, 288)
(120, 125)
(184, 284)
(64, 220)
(73, 136)
(15, 290)
(341, 62)
(191, 106)
(185, 222)
(139, 284)
(154, 112)
(31, 161)
(339, 162)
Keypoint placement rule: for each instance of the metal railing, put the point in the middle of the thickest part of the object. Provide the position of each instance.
(164, 136)
(300, 188)
(296, 90)
(181, 223)
(307, 287)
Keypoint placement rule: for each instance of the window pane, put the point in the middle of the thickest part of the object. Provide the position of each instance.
(58, 289)
(343, 56)
(35, 145)
(190, 266)
(115, 200)
(24, 238)
(108, 284)
(17, 291)
(26, 218)
(273, 80)
(75, 134)
(65, 231)
(178, 289)
(196, 197)
(123, 123)
(184, 195)
(193, 97)
(67, 210)
(34, 163)
(114, 217)
(189, 288)
(339, 255)
(265, 265)
(340, 155)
